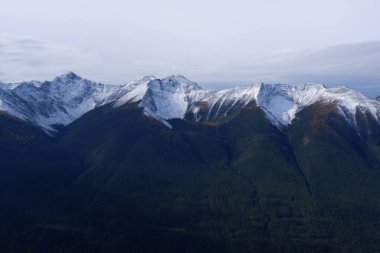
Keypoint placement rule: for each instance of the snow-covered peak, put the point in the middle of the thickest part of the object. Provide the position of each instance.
(282, 102)
(67, 77)
(212, 105)
(183, 82)
(145, 79)
(162, 99)
(134, 91)
(350, 102)
(56, 102)
(168, 98)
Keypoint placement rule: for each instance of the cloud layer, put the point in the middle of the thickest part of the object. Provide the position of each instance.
(353, 65)
(28, 58)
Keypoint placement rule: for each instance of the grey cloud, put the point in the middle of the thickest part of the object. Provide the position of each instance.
(353, 65)
(28, 58)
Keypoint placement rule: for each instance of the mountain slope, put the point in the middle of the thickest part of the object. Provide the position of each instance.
(240, 185)
(34, 172)
(197, 183)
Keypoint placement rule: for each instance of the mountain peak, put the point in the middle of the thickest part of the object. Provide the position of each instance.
(309, 84)
(180, 79)
(146, 78)
(69, 76)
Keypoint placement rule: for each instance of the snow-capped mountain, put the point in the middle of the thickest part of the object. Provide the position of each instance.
(67, 97)
(282, 102)
(177, 97)
(60, 101)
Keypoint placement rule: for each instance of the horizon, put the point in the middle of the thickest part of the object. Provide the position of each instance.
(374, 96)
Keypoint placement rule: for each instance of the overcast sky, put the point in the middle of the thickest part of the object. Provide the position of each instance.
(215, 43)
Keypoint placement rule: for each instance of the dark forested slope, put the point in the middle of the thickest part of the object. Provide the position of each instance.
(116, 180)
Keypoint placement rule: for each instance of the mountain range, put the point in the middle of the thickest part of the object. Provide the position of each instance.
(163, 165)
(61, 101)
